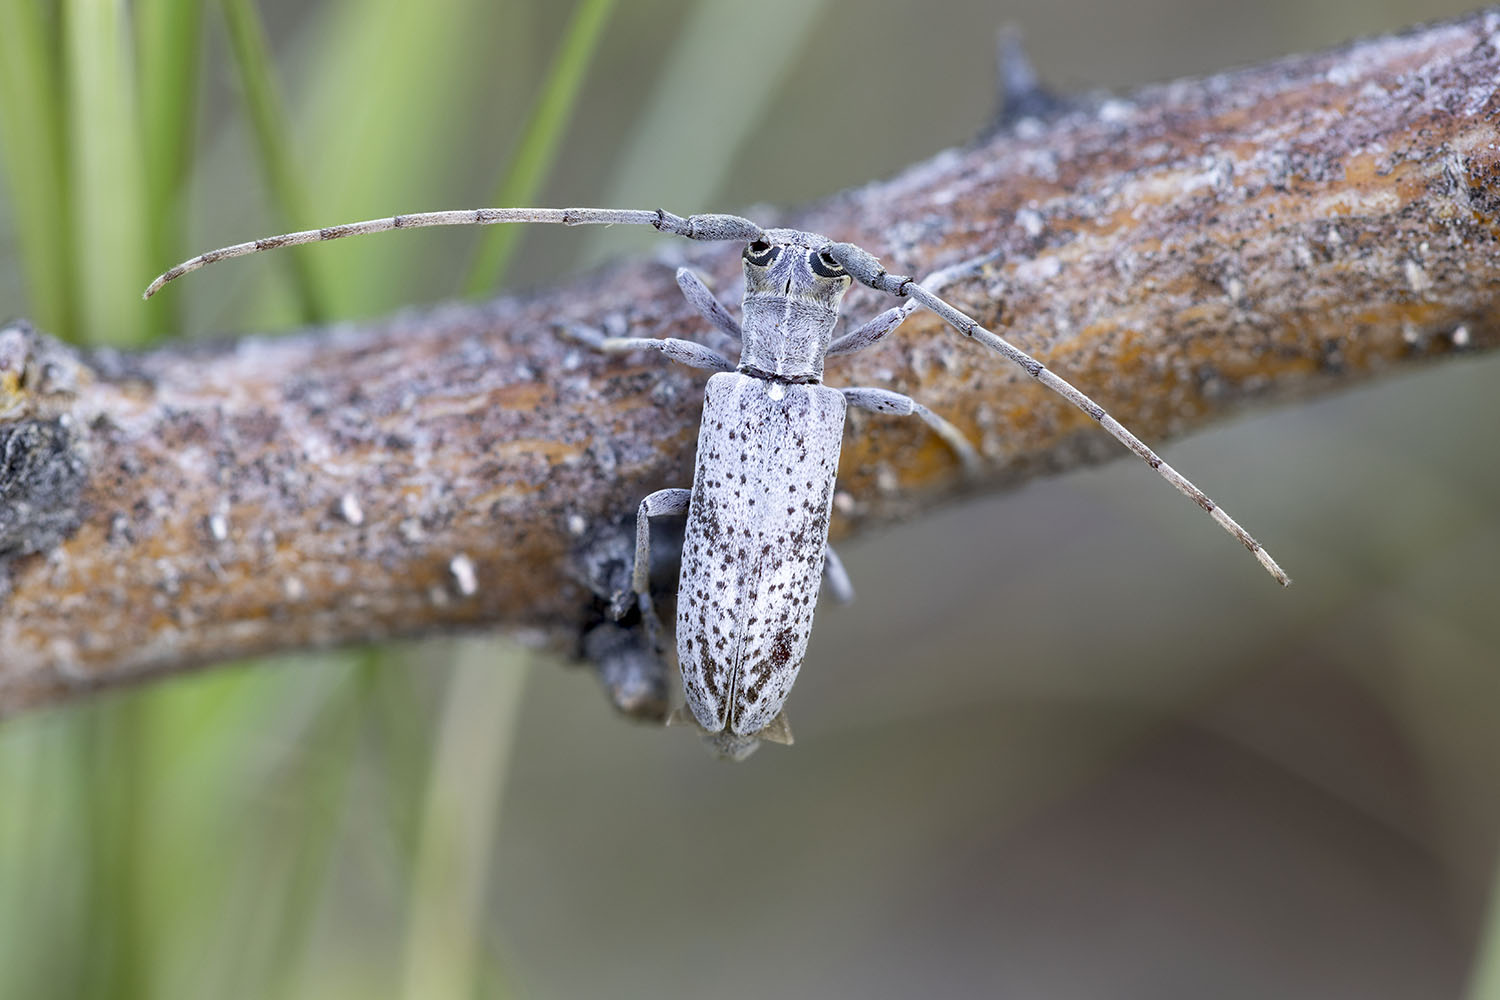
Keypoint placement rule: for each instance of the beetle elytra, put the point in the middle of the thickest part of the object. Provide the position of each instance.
(756, 545)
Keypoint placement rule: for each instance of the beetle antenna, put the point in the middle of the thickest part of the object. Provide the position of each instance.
(867, 270)
(710, 227)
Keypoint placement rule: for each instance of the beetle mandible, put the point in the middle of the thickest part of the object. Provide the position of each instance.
(756, 545)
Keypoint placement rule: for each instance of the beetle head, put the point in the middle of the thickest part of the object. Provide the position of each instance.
(793, 289)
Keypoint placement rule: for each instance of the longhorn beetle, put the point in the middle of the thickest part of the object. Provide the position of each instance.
(756, 546)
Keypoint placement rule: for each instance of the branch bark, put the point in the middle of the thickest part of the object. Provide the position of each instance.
(1195, 247)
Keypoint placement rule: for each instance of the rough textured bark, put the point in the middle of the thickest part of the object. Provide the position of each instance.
(1179, 253)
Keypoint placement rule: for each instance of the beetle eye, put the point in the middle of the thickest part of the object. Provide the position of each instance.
(761, 253)
(823, 265)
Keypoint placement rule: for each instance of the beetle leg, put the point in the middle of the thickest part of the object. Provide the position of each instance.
(684, 352)
(870, 331)
(725, 327)
(873, 330)
(839, 586)
(662, 503)
(886, 401)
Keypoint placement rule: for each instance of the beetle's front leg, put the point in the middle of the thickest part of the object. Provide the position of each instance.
(725, 327)
(662, 503)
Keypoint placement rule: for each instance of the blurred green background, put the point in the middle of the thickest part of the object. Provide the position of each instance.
(1066, 744)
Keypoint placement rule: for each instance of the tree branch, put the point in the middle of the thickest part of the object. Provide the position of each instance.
(1255, 236)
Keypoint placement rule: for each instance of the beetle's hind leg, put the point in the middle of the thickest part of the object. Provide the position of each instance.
(840, 588)
(662, 503)
(886, 401)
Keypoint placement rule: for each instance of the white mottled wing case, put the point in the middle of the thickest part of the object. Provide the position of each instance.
(752, 559)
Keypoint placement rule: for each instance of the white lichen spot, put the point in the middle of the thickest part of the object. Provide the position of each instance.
(293, 588)
(62, 653)
(577, 525)
(119, 530)
(218, 527)
(1030, 221)
(350, 510)
(776, 391)
(1042, 163)
(1416, 276)
(1335, 240)
(1235, 289)
(1342, 75)
(921, 363)
(411, 531)
(1038, 270)
(461, 568)
(168, 582)
(1460, 336)
(1116, 111)
(1215, 173)
(1302, 254)
(984, 416)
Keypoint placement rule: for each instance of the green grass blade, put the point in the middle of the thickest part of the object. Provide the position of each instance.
(110, 245)
(323, 788)
(256, 68)
(1485, 982)
(718, 93)
(465, 788)
(32, 153)
(114, 790)
(392, 92)
(539, 142)
(168, 49)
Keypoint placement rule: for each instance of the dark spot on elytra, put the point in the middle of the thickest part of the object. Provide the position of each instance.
(781, 647)
(710, 676)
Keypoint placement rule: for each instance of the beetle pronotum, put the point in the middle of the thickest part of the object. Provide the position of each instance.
(756, 546)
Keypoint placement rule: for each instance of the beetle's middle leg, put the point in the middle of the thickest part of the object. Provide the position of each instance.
(686, 352)
(886, 401)
(662, 503)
